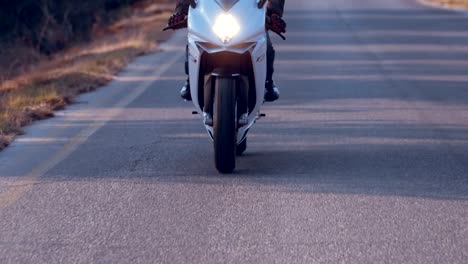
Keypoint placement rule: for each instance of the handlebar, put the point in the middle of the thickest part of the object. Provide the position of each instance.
(278, 33)
(174, 26)
(185, 21)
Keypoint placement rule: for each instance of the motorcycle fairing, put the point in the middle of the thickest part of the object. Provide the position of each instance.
(226, 4)
(251, 21)
(251, 38)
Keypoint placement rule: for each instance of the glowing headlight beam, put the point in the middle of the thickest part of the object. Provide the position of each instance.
(226, 27)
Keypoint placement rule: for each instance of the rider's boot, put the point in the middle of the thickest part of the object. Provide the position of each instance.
(271, 91)
(185, 92)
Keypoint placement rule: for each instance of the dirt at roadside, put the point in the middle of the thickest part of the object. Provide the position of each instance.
(458, 4)
(33, 86)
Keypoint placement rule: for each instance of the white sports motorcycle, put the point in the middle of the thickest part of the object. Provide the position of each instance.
(227, 46)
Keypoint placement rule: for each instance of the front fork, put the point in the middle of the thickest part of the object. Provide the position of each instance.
(242, 93)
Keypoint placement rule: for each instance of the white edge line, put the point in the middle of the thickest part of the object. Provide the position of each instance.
(26, 183)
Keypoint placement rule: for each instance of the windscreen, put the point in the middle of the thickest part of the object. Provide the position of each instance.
(226, 4)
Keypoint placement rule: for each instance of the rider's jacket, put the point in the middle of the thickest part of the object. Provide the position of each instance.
(274, 6)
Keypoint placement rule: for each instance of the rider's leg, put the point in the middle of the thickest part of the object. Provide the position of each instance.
(271, 91)
(185, 92)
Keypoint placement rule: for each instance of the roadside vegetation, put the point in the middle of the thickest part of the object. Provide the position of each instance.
(44, 65)
(450, 3)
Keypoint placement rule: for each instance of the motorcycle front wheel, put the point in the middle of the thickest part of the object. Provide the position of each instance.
(224, 126)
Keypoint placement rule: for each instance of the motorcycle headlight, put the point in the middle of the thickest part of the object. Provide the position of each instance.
(226, 27)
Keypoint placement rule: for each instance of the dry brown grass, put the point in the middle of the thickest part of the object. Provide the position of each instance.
(450, 3)
(34, 92)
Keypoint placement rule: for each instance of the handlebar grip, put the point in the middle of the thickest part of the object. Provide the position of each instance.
(175, 25)
(281, 35)
(193, 3)
(278, 33)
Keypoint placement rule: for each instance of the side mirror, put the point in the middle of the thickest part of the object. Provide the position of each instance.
(261, 3)
(193, 3)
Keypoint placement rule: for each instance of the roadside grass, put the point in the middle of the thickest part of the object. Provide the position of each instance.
(450, 3)
(52, 84)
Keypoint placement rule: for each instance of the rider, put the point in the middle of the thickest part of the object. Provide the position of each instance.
(276, 23)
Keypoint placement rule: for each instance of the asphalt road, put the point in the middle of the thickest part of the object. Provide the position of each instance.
(363, 160)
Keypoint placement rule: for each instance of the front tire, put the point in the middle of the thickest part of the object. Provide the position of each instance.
(224, 126)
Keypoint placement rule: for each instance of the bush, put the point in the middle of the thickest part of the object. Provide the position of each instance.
(49, 25)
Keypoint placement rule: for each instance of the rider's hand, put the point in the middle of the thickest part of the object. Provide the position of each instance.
(277, 24)
(177, 21)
